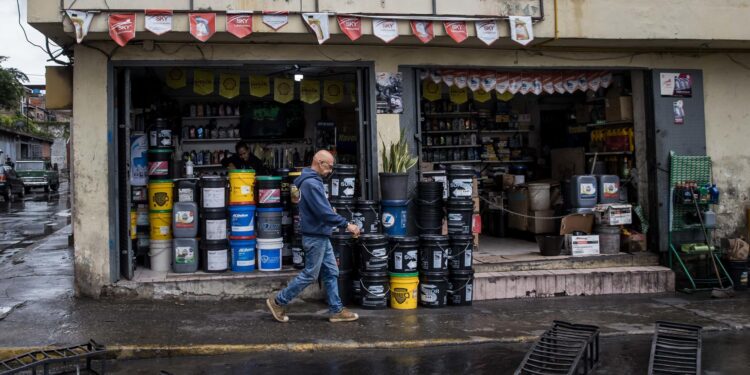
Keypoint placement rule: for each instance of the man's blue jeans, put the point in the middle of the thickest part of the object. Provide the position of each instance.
(319, 260)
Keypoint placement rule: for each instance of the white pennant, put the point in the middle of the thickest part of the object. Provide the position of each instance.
(487, 32)
(81, 23)
(521, 29)
(318, 23)
(385, 29)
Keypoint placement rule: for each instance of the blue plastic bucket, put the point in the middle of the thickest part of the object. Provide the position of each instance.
(243, 255)
(269, 253)
(394, 218)
(242, 221)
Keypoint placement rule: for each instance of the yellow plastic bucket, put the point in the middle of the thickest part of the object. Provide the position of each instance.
(160, 193)
(133, 224)
(161, 225)
(294, 189)
(241, 186)
(404, 291)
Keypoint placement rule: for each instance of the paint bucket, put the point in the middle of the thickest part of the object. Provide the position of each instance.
(185, 255)
(404, 254)
(461, 291)
(394, 218)
(460, 216)
(139, 194)
(186, 190)
(343, 182)
(433, 289)
(373, 253)
(460, 182)
(269, 191)
(286, 183)
(374, 290)
(241, 187)
(433, 253)
(438, 176)
(430, 218)
(160, 134)
(241, 222)
(269, 253)
(161, 225)
(215, 255)
(185, 220)
(160, 254)
(342, 249)
(298, 253)
(539, 196)
(345, 287)
(269, 222)
(404, 290)
(609, 239)
(213, 192)
(460, 252)
(345, 209)
(367, 216)
(214, 224)
(160, 164)
(243, 255)
(294, 189)
(356, 288)
(160, 195)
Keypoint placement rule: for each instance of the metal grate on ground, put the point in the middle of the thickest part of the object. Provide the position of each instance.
(565, 348)
(48, 360)
(675, 349)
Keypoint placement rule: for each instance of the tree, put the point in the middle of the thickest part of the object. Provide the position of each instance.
(11, 88)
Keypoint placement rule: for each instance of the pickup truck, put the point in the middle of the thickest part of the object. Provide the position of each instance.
(37, 173)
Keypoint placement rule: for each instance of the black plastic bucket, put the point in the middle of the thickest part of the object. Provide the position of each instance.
(213, 192)
(367, 216)
(213, 224)
(342, 249)
(430, 190)
(461, 252)
(343, 182)
(433, 253)
(460, 182)
(404, 254)
(160, 163)
(345, 287)
(739, 272)
(550, 244)
(268, 222)
(373, 253)
(268, 191)
(186, 190)
(286, 184)
(461, 288)
(214, 256)
(345, 209)
(375, 290)
(459, 216)
(430, 201)
(433, 289)
(298, 253)
(356, 283)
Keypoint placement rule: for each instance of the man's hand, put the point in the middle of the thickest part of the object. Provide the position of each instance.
(353, 229)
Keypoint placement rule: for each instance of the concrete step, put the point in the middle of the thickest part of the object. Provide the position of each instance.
(573, 282)
(487, 262)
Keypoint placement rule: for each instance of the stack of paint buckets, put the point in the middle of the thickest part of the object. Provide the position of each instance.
(242, 219)
(213, 212)
(403, 265)
(287, 230)
(185, 257)
(460, 210)
(268, 223)
(298, 253)
(342, 188)
(160, 201)
(139, 193)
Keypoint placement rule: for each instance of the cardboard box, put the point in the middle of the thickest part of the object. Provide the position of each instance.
(619, 108)
(567, 162)
(582, 245)
(518, 201)
(577, 223)
(614, 214)
(540, 225)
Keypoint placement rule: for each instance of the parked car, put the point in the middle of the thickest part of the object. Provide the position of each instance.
(10, 185)
(38, 173)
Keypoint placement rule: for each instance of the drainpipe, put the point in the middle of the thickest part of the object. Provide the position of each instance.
(434, 7)
(557, 30)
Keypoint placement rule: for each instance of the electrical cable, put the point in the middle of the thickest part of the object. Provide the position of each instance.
(18, 7)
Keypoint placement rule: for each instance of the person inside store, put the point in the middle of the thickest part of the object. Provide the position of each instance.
(317, 220)
(244, 159)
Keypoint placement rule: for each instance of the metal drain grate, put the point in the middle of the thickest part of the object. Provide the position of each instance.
(565, 348)
(675, 349)
(44, 360)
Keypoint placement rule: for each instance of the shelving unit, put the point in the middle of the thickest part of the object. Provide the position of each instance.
(508, 131)
(610, 124)
(453, 146)
(610, 153)
(448, 131)
(212, 118)
(208, 166)
(213, 140)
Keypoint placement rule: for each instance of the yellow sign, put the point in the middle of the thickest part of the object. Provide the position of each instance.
(176, 78)
(430, 90)
(229, 86)
(482, 96)
(203, 81)
(259, 86)
(459, 96)
(505, 97)
(309, 91)
(283, 90)
(333, 91)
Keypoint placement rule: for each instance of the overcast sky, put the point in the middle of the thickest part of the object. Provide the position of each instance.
(22, 55)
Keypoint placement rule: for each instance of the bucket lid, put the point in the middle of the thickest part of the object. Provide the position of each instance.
(241, 207)
(462, 273)
(461, 237)
(214, 244)
(186, 179)
(366, 201)
(242, 240)
(399, 202)
(467, 203)
(344, 166)
(372, 237)
(373, 274)
(433, 237)
(269, 209)
(155, 181)
(410, 274)
(160, 150)
(160, 211)
(339, 236)
(270, 240)
(268, 178)
(434, 274)
(242, 171)
(212, 178)
(402, 239)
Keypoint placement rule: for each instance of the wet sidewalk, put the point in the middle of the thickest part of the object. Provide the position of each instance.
(38, 309)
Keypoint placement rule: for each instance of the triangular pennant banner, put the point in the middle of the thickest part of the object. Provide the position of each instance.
(385, 29)
(275, 20)
(461, 79)
(176, 78)
(430, 90)
(122, 28)
(158, 21)
(583, 81)
(475, 81)
(456, 30)
(309, 91)
(240, 23)
(333, 91)
(436, 76)
(489, 80)
(521, 29)
(203, 81)
(448, 77)
(259, 86)
(548, 84)
(229, 85)
(514, 83)
(501, 86)
(487, 31)
(351, 26)
(283, 90)
(595, 80)
(505, 97)
(606, 79)
(81, 23)
(559, 83)
(525, 86)
(423, 30)
(571, 82)
(458, 95)
(536, 85)
(482, 96)
(202, 25)
(318, 24)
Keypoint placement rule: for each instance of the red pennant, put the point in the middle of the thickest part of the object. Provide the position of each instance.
(202, 25)
(456, 30)
(351, 26)
(422, 30)
(240, 24)
(122, 28)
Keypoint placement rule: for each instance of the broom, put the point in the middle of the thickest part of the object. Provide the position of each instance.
(721, 291)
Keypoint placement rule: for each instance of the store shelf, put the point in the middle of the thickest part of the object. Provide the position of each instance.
(506, 161)
(212, 118)
(454, 146)
(609, 153)
(456, 162)
(506, 131)
(214, 140)
(208, 166)
(447, 114)
(447, 131)
(609, 124)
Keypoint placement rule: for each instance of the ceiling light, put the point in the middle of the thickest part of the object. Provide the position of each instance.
(298, 77)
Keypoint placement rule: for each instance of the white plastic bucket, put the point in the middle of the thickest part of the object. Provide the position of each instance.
(269, 253)
(160, 252)
(539, 195)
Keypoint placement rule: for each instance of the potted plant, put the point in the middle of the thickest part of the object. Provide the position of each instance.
(397, 160)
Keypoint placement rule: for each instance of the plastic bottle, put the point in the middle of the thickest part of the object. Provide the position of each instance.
(704, 194)
(189, 168)
(714, 191)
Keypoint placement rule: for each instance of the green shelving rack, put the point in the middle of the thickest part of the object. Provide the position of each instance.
(698, 169)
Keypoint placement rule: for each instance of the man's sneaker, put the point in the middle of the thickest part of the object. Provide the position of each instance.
(343, 316)
(277, 310)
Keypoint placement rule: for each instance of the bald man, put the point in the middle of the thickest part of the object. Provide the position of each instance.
(317, 220)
